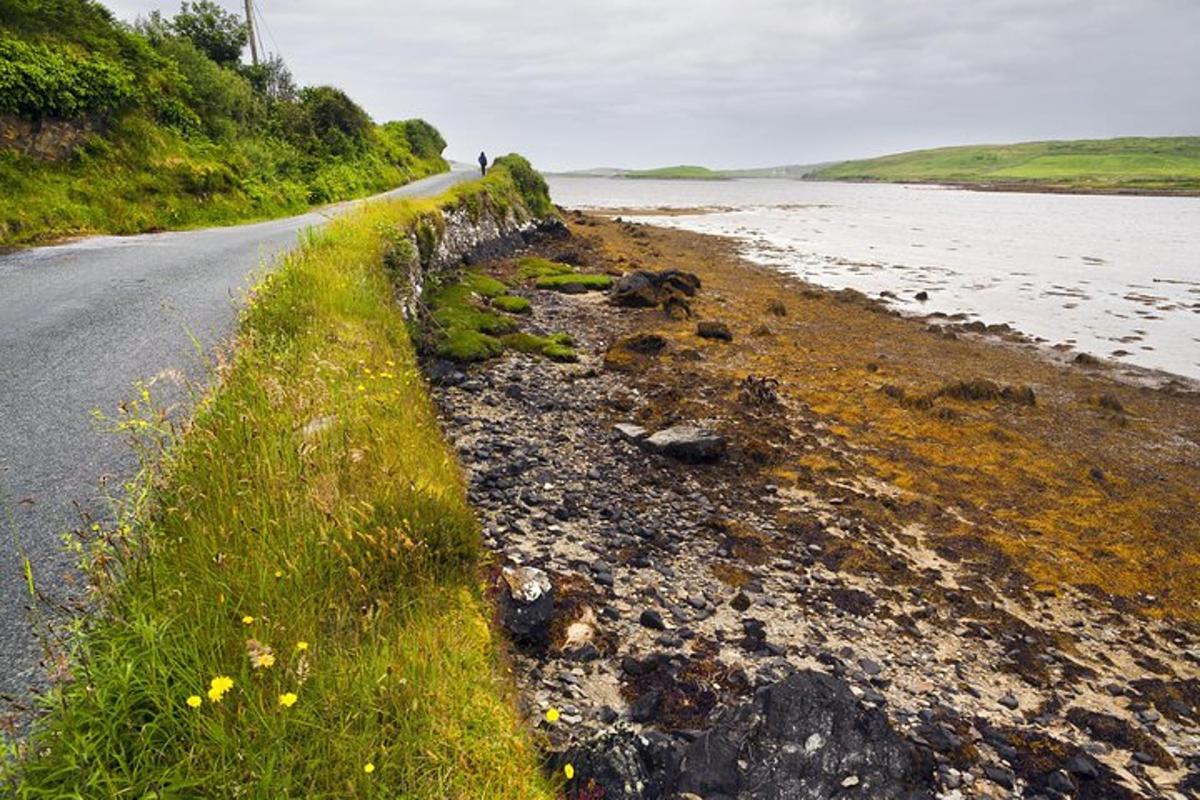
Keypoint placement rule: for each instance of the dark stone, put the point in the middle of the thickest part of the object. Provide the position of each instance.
(922, 296)
(740, 601)
(526, 598)
(645, 708)
(714, 330)
(622, 765)
(1000, 775)
(1083, 766)
(652, 620)
(644, 289)
(807, 733)
(686, 443)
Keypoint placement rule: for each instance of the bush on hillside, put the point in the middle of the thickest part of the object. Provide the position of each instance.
(330, 122)
(39, 80)
(530, 183)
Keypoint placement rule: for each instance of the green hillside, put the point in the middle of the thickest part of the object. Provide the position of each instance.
(681, 172)
(1131, 164)
(111, 128)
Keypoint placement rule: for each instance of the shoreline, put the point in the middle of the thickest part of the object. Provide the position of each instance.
(850, 531)
(1026, 188)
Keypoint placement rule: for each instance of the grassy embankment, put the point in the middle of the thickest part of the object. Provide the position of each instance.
(1110, 165)
(167, 129)
(307, 538)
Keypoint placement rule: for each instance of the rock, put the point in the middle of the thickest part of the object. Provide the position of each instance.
(645, 289)
(645, 708)
(622, 765)
(777, 727)
(652, 620)
(526, 604)
(922, 296)
(714, 330)
(1008, 701)
(631, 432)
(629, 352)
(687, 443)
(999, 775)
(870, 667)
(1083, 766)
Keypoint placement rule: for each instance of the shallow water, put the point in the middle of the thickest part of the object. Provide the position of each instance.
(1118, 277)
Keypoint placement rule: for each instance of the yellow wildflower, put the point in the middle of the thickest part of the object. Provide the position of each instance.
(261, 655)
(287, 699)
(247, 620)
(263, 660)
(278, 573)
(193, 701)
(552, 715)
(569, 771)
(362, 388)
(218, 687)
(368, 768)
(301, 646)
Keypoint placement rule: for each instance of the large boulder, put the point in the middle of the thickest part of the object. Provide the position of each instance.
(646, 289)
(686, 443)
(804, 738)
(526, 604)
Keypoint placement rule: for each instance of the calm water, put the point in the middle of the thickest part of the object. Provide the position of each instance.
(1113, 276)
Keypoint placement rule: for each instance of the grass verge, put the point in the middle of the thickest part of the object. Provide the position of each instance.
(294, 610)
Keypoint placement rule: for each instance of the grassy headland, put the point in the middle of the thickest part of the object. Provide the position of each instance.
(110, 129)
(294, 608)
(1151, 165)
(682, 172)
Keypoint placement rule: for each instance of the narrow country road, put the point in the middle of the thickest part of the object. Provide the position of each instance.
(80, 323)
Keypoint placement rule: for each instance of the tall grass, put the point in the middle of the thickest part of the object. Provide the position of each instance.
(311, 512)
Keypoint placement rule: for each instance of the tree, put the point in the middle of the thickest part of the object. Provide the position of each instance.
(216, 32)
(272, 79)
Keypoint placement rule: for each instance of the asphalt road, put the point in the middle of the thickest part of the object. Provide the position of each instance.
(80, 323)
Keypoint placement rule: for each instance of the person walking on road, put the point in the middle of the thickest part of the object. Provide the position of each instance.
(482, 163)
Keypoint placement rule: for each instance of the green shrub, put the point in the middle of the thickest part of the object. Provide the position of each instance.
(38, 80)
(533, 188)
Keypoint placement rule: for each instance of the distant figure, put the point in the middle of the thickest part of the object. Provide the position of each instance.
(482, 163)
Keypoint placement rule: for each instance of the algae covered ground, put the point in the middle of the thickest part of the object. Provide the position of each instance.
(1135, 164)
(291, 604)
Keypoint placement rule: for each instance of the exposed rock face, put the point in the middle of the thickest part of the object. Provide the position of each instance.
(623, 765)
(645, 289)
(526, 604)
(47, 139)
(804, 737)
(687, 443)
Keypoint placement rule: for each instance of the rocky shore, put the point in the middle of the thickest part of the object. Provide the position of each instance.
(754, 543)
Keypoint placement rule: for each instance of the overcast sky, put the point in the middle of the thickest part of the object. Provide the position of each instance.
(744, 83)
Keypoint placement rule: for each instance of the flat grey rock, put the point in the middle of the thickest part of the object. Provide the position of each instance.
(687, 443)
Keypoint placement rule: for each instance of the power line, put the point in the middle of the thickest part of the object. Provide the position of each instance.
(270, 33)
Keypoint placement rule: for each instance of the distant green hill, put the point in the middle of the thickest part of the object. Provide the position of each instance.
(1169, 164)
(682, 172)
(108, 128)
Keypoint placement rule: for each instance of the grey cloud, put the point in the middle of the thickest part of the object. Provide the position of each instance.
(756, 82)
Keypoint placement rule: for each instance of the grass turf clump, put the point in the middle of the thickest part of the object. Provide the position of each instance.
(533, 268)
(588, 282)
(556, 346)
(299, 596)
(511, 304)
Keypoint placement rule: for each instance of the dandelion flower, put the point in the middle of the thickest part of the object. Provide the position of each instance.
(263, 660)
(287, 699)
(278, 573)
(301, 646)
(247, 620)
(368, 767)
(218, 687)
(569, 771)
(552, 715)
(193, 701)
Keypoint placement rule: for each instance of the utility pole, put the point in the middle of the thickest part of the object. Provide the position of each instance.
(250, 29)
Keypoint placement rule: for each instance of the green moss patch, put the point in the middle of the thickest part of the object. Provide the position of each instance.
(512, 304)
(533, 268)
(587, 281)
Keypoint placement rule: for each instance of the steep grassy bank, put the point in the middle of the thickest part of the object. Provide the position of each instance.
(110, 129)
(1169, 164)
(293, 610)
